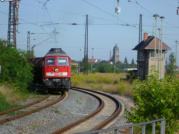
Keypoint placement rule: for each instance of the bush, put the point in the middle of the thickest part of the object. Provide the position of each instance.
(15, 68)
(156, 99)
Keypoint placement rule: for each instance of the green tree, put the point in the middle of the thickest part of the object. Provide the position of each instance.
(125, 61)
(132, 62)
(171, 66)
(15, 67)
(156, 99)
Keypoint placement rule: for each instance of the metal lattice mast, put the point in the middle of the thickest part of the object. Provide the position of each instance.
(12, 22)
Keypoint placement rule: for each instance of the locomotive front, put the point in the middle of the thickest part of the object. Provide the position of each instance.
(57, 69)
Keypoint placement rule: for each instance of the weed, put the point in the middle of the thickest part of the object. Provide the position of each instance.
(34, 126)
(57, 111)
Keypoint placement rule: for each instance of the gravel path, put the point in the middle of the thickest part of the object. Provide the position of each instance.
(46, 121)
(109, 107)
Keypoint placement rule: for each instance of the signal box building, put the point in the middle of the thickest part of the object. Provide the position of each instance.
(151, 56)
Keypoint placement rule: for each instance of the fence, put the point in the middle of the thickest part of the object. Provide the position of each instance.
(116, 130)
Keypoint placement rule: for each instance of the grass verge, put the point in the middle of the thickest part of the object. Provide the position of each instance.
(108, 82)
(10, 97)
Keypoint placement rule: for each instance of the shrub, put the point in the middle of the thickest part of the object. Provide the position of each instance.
(156, 99)
(15, 68)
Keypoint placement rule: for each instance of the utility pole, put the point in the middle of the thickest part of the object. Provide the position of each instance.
(176, 56)
(92, 53)
(161, 47)
(92, 59)
(32, 53)
(12, 22)
(155, 47)
(140, 28)
(159, 54)
(28, 44)
(86, 47)
(155, 16)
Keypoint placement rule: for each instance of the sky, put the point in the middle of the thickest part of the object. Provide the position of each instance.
(50, 21)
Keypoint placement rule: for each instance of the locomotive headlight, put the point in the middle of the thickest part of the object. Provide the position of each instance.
(50, 74)
(56, 69)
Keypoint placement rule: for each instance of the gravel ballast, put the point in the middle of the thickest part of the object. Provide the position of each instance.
(76, 106)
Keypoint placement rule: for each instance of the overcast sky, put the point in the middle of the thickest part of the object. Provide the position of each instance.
(51, 20)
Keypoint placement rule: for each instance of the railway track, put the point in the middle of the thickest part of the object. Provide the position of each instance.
(25, 110)
(91, 121)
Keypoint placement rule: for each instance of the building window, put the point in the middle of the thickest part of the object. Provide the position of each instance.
(152, 54)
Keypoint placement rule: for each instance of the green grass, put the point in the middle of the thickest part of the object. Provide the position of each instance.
(177, 76)
(4, 105)
(108, 82)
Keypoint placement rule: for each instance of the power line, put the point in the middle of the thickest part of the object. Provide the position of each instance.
(102, 10)
(137, 3)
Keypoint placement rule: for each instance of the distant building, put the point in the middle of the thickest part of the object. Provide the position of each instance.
(177, 69)
(115, 57)
(93, 60)
(147, 61)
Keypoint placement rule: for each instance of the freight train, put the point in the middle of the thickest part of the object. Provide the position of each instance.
(53, 70)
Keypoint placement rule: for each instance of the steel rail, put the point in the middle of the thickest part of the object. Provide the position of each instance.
(114, 114)
(33, 111)
(24, 106)
(76, 123)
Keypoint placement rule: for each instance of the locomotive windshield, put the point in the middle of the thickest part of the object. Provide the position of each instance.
(50, 61)
(62, 62)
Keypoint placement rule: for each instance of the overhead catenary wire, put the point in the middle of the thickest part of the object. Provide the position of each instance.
(102, 10)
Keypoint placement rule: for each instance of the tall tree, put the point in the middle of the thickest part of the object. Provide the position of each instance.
(125, 61)
(132, 62)
(171, 67)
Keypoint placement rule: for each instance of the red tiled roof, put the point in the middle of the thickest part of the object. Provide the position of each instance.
(92, 60)
(149, 44)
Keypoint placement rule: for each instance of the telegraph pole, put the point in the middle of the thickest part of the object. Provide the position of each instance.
(92, 53)
(86, 47)
(155, 53)
(159, 52)
(28, 44)
(177, 44)
(140, 28)
(161, 47)
(155, 16)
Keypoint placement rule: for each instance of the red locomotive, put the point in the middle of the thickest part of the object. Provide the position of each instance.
(53, 70)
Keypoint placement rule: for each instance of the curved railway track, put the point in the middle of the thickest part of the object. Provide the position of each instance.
(33, 107)
(102, 124)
